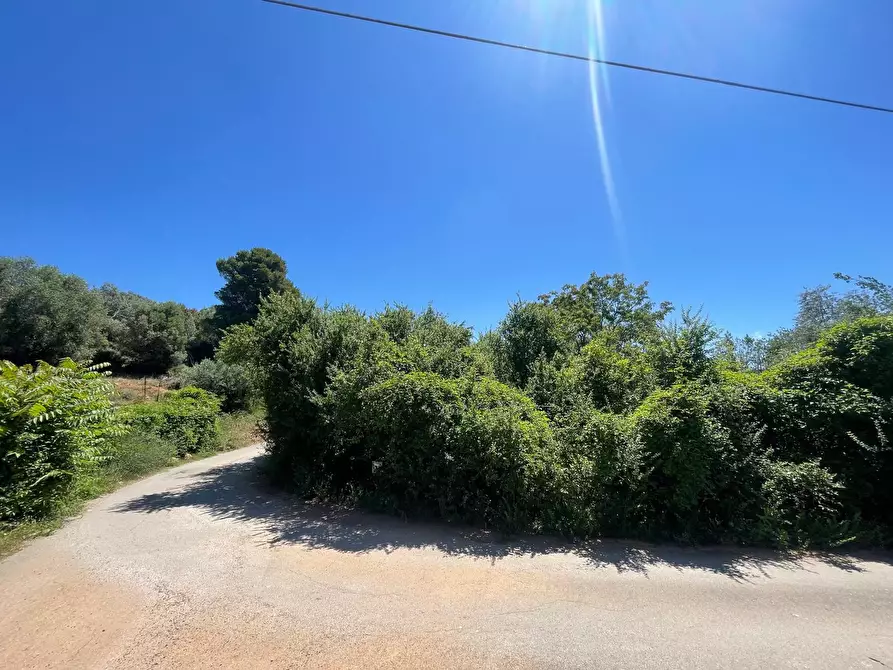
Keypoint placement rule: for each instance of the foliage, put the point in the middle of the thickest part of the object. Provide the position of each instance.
(589, 411)
(606, 419)
(614, 378)
(608, 302)
(144, 336)
(530, 331)
(133, 455)
(472, 450)
(838, 409)
(228, 382)
(250, 276)
(683, 351)
(54, 423)
(205, 337)
(820, 308)
(701, 474)
(751, 353)
(187, 418)
(46, 315)
(800, 504)
(601, 486)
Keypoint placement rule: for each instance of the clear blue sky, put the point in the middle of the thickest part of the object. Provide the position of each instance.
(141, 141)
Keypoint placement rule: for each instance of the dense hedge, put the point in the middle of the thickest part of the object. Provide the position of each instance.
(586, 413)
(54, 422)
(187, 418)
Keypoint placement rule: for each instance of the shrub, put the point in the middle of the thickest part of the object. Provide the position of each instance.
(228, 382)
(614, 378)
(861, 353)
(702, 467)
(800, 504)
(643, 429)
(602, 486)
(188, 418)
(478, 450)
(837, 412)
(54, 423)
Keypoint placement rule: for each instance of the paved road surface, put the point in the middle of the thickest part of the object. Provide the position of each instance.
(202, 567)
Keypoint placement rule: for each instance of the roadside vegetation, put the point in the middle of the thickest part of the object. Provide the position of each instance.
(590, 411)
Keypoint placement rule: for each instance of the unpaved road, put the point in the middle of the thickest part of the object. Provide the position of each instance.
(202, 567)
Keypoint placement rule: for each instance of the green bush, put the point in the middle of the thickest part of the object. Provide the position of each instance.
(54, 424)
(605, 420)
(472, 450)
(188, 418)
(702, 467)
(602, 487)
(800, 504)
(228, 382)
(839, 411)
(861, 353)
(614, 378)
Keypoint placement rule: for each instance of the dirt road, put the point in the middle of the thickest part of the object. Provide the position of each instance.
(202, 567)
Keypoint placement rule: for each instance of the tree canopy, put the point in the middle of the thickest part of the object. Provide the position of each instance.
(250, 276)
(47, 315)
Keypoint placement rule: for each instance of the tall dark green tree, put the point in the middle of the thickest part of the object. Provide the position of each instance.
(250, 275)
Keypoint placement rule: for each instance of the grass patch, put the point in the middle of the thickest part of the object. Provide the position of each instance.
(136, 455)
(12, 538)
(239, 429)
(129, 390)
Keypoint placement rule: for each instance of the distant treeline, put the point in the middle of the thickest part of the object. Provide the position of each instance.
(48, 315)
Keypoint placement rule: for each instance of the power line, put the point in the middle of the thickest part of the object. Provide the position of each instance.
(578, 57)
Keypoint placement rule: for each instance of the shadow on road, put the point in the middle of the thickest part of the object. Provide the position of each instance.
(238, 491)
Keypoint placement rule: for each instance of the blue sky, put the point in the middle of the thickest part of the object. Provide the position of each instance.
(139, 142)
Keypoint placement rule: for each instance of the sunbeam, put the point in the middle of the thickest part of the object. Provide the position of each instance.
(596, 45)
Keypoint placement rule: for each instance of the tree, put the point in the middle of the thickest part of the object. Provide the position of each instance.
(250, 275)
(820, 308)
(46, 315)
(751, 352)
(530, 331)
(144, 336)
(684, 350)
(608, 302)
(206, 337)
(155, 336)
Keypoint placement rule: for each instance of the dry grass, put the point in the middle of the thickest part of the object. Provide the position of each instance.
(140, 389)
(239, 430)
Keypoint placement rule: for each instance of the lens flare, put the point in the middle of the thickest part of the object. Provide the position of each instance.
(598, 77)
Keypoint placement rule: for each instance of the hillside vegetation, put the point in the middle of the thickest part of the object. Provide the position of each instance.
(590, 411)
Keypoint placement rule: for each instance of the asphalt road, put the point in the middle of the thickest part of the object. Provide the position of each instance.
(203, 567)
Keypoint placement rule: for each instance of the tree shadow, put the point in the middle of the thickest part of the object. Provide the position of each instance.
(239, 491)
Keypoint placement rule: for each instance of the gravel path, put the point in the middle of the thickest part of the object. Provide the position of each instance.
(203, 567)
